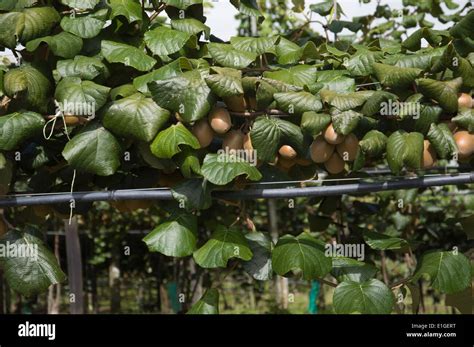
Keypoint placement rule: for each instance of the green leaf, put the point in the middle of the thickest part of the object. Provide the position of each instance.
(260, 266)
(176, 237)
(194, 193)
(298, 102)
(72, 90)
(226, 55)
(81, 4)
(85, 68)
(135, 116)
(26, 25)
(209, 303)
(17, 127)
(188, 162)
(450, 272)
(404, 149)
(187, 94)
(225, 243)
(247, 7)
(257, 45)
(465, 119)
(34, 272)
(395, 77)
(374, 103)
(28, 83)
(313, 123)
(345, 122)
(94, 150)
(164, 41)
(130, 9)
(373, 143)
(361, 64)
(302, 253)
(336, 26)
(64, 45)
(382, 242)
(123, 91)
(442, 139)
(348, 269)
(173, 69)
(289, 52)
(225, 82)
(463, 28)
(220, 169)
(445, 92)
(299, 75)
(190, 26)
(167, 142)
(115, 52)
(86, 26)
(370, 297)
(182, 4)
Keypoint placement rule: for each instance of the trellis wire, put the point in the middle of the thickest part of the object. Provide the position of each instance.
(257, 193)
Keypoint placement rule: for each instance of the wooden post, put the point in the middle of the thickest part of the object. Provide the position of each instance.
(74, 267)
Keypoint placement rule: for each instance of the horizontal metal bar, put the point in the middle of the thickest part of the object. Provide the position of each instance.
(262, 193)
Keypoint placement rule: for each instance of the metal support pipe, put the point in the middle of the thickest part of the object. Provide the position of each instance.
(261, 193)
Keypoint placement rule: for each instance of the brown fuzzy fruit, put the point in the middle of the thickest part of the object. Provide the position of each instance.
(203, 132)
(348, 149)
(303, 162)
(465, 143)
(287, 152)
(464, 101)
(332, 137)
(321, 151)
(335, 164)
(429, 154)
(233, 140)
(220, 120)
(286, 163)
(236, 103)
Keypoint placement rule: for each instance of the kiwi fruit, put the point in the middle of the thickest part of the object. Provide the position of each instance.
(286, 163)
(287, 152)
(203, 132)
(220, 120)
(348, 149)
(233, 140)
(464, 101)
(465, 143)
(335, 164)
(303, 162)
(429, 154)
(321, 151)
(236, 103)
(332, 137)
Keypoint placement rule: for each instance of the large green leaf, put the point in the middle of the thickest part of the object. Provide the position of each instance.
(302, 253)
(115, 52)
(209, 303)
(348, 269)
(72, 90)
(86, 26)
(465, 119)
(445, 92)
(260, 266)
(182, 4)
(167, 143)
(225, 243)
(222, 168)
(176, 237)
(191, 26)
(26, 25)
(257, 45)
(382, 241)
(345, 122)
(373, 143)
(373, 105)
(361, 64)
(313, 123)
(64, 45)
(404, 149)
(463, 28)
(85, 68)
(450, 272)
(370, 297)
(298, 75)
(193, 193)
(33, 272)
(226, 55)
(225, 81)
(187, 94)
(81, 4)
(247, 7)
(164, 41)
(94, 150)
(345, 102)
(395, 77)
(28, 83)
(17, 127)
(289, 52)
(135, 116)
(442, 139)
(298, 102)
(130, 9)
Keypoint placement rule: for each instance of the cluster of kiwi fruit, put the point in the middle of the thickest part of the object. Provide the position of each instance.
(334, 150)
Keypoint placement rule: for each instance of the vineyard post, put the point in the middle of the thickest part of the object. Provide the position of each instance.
(74, 267)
